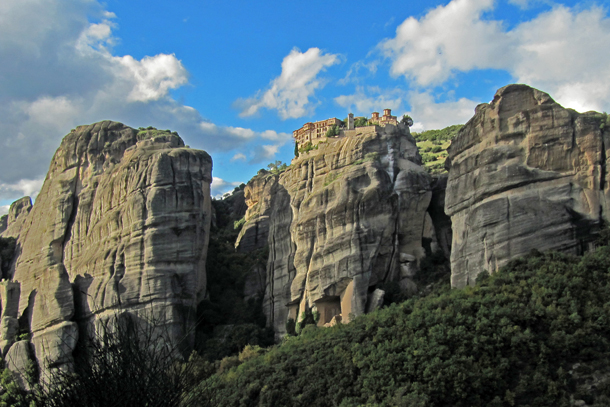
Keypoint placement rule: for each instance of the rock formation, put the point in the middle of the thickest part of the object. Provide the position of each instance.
(121, 225)
(525, 173)
(15, 219)
(339, 221)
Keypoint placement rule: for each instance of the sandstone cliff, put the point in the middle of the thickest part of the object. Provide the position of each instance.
(17, 213)
(121, 225)
(339, 221)
(525, 173)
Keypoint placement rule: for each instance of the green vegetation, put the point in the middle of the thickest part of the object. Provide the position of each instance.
(296, 149)
(307, 147)
(332, 131)
(433, 146)
(368, 157)
(406, 119)
(151, 132)
(438, 136)
(530, 335)
(277, 167)
(331, 177)
(228, 321)
(239, 223)
(361, 122)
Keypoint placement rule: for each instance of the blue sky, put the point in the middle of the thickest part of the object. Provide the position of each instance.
(235, 78)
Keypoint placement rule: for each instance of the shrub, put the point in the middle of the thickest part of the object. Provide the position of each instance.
(128, 362)
(534, 333)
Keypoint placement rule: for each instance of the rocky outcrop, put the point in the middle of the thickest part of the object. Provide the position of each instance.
(337, 222)
(259, 195)
(16, 217)
(121, 225)
(525, 173)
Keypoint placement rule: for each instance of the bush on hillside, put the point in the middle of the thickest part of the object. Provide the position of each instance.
(527, 335)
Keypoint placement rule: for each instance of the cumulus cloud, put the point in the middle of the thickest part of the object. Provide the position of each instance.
(290, 92)
(370, 99)
(558, 51)
(451, 37)
(4, 209)
(59, 70)
(429, 114)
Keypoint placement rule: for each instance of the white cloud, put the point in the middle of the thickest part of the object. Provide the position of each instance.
(451, 37)
(152, 77)
(24, 187)
(238, 157)
(559, 51)
(220, 187)
(290, 92)
(428, 114)
(4, 209)
(59, 71)
(370, 99)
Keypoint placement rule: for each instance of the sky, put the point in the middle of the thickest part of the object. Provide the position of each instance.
(235, 78)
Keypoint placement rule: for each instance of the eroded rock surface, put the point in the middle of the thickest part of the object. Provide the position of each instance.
(17, 214)
(337, 222)
(525, 174)
(121, 225)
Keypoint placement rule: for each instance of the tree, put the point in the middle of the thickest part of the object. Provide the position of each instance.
(361, 122)
(332, 131)
(277, 167)
(296, 149)
(406, 119)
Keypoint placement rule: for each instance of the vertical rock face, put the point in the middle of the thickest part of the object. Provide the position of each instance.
(121, 225)
(15, 219)
(338, 221)
(525, 174)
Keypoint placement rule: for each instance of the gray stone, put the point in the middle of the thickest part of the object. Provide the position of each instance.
(121, 224)
(16, 218)
(525, 173)
(20, 362)
(375, 300)
(336, 221)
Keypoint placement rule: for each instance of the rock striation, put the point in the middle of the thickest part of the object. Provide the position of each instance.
(525, 173)
(17, 213)
(341, 220)
(121, 224)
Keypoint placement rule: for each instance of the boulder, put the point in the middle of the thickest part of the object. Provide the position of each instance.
(19, 360)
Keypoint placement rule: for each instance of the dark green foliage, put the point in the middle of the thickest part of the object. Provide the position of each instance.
(296, 149)
(228, 322)
(7, 252)
(512, 340)
(128, 363)
(291, 327)
(406, 119)
(427, 157)
(438, 136)
(361, 122)
(332, 131)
